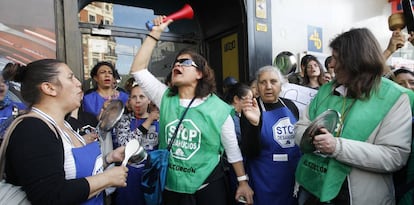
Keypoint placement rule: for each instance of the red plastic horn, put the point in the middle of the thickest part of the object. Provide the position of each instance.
(184, 13)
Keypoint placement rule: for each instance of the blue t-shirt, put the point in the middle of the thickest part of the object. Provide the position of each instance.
(93, 102)
(7, 107)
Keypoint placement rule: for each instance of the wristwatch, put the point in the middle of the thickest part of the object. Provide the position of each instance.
(243, 178)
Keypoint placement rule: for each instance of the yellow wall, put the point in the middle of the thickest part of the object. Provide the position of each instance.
(230, 57)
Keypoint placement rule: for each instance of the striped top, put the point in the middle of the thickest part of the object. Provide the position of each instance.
(69, 164)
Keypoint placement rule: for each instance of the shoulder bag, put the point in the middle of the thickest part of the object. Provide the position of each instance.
(11, 194)
(154, 172)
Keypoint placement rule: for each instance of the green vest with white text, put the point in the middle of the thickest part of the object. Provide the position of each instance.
(197, 148)
(324, 176)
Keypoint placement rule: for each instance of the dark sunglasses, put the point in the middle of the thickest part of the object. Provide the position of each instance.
(185, 62)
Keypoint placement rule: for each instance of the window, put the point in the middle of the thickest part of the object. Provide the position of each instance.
(92, 18)
(94, 61)
(24, 38)
(127, 28)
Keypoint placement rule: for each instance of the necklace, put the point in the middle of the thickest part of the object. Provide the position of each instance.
(343, 114)
(114, 95)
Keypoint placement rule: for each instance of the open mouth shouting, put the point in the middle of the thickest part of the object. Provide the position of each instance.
(176, 71)
(107, 81)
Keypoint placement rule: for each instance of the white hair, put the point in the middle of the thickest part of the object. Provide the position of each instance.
(274, 69)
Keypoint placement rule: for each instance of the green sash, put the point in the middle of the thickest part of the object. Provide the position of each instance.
(324, 176)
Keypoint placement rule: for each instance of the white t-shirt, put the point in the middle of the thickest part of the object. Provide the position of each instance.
(155, 89)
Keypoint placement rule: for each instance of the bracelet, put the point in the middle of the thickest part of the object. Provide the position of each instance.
(243, 178)
(143, 129)
(151, 36)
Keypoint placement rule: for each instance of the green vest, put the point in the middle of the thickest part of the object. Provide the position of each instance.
(324, 176)
(197, 148)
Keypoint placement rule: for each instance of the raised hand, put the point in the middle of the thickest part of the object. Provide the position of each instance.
(251, 110)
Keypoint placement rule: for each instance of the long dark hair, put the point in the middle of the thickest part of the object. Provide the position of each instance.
(359, 61)
(207, 84)
(305, 62)
(35, 73)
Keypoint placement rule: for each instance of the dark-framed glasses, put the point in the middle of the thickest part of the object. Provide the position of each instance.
(185, 62)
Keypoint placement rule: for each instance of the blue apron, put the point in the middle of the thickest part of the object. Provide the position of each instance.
(272, 173)
(88, 162)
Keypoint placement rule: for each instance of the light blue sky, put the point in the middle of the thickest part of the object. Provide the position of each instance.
(126, 48)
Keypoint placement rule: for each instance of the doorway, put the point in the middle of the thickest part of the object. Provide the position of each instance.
(109, 33)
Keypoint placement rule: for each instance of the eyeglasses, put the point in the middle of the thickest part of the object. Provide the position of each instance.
(185, 62)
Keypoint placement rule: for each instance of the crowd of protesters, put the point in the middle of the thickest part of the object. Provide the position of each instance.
(258, 134)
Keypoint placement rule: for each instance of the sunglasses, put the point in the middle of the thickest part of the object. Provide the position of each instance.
(185, 62)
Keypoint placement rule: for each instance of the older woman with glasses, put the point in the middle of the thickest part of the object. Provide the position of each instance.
(195, 175)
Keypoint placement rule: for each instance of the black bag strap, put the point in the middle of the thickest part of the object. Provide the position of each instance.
(178, 125)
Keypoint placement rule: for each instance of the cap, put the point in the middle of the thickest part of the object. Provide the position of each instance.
(229, 81)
